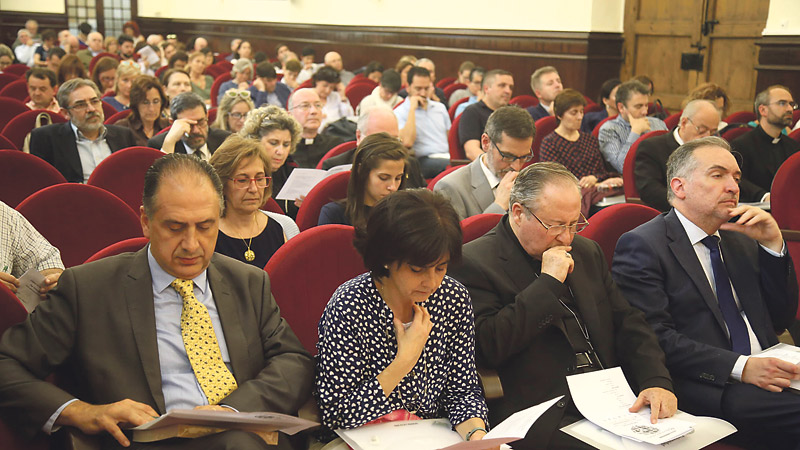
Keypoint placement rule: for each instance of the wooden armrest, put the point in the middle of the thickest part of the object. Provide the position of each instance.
(490, 381)
(791, 235)
(459, 162)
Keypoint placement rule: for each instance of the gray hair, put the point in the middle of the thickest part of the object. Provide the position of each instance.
(266, 119)
(682, 163)
(694, 106)
(22, 31)
(363, 119)
(424, 60)
(183, 102)
(171, 164)
(512, 120)
(241, 65)
(532, 181)
(68, 87)
(626, 90)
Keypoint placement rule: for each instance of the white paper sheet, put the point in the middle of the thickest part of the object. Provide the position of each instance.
(230, 419)
(28, 292)
(301, 181)
(604, 396)
(786, 352)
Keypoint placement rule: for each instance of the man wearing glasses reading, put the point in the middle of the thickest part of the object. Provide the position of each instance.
(546, 307)
(76, 147)
(189, 132)
(483, 186)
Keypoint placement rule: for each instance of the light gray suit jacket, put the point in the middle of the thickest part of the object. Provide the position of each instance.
(468, 190)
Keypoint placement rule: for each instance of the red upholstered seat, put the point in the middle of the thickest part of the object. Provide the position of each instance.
(79, 219)
(161, 71)
(212, 115)
(795, 117)
(10, 108)
(102, 55)
(17, 69)
(355, 92)
(305, 272)
(214, 71)
(795, 134)
(524, 101)
(544, 126)
(454, 106)
(19, 127)
(23, 174)
(476, 226)
(224, 64)
(441, 175)
(734, 133)
(116, 117)
(628, 180)
(215, 87)
(338, 150)
(596, 131)
(272, 206)
(673, 120)
(5, 144)
(784, 198)
(16, 89)
(740, 117)
(108, 110)
(124, 246)
(305, 84)
(608, 224)
(450, 88)
(446, 81)
(330, 189)
(122, 174)
(6, 78)
(456, 150)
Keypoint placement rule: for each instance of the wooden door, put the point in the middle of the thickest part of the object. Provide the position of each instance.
(657, 32)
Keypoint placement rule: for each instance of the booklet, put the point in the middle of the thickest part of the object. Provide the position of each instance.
(301, 181)
(28, 292)
(786, 352)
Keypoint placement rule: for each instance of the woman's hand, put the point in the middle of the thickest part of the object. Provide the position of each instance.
(410, 342)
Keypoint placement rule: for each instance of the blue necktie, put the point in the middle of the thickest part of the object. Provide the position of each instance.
(740, 339)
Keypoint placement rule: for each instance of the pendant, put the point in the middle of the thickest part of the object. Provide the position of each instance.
(249, 255)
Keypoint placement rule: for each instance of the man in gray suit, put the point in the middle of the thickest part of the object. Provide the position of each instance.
(484, 185)
(117, 327)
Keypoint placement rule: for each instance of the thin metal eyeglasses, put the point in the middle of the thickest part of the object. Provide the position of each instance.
(555, 230)
(714, 132)
(509, 158)
(784, 104)
(307, 106)
(244, 182)
(82, 105)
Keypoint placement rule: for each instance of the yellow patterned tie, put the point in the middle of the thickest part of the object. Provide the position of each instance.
(202, 347)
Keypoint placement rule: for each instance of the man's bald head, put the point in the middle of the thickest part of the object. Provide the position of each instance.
(334, 61)
(379, 119)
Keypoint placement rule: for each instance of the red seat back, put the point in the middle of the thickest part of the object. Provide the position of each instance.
(476, 226)
(124, 246)
(19, 127)
(101, 55)
(5, 144)
(795, 117)
(306, 270)
(215, 87)
(6, 78)
(214, 71)
(456, 150)
(17, 69)
(116, 117)
(740, 117)
(305, 84)
(23, 174)
(16, 89)
(122, 174)
(450, 88)
(446, 81)
(10, 108)
(673, 120)
(161, 71)
(628, 179)
(441, 175)
(544, 126)
(79, 219)
(454, 106)
(224, 64)
(524, 101)
(734, 133)
(332, 188)
(108, 110)
(795, 134)
(607, 225)
(355, 92)
(272, 206)
(596, 131)
(338, 150)
(784, 198)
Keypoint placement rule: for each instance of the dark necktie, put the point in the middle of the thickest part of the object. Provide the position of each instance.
(740, 339)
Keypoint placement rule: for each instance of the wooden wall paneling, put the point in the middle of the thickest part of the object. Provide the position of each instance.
(779, 63)
(12, 21)
(574, 54)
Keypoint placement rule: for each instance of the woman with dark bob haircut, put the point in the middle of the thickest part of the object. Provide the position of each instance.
(380, 167)
(148, 104)
(401, 336)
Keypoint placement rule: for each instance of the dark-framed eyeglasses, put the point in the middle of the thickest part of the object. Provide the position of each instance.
(511, 159)
(244, 182)
(555, 230)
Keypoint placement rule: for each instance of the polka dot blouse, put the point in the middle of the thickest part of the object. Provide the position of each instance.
(357, 342)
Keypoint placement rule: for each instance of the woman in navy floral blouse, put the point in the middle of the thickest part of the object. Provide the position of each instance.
(401, 337)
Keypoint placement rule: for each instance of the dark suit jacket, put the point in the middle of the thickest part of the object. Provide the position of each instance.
(99, 326)
(518, 322)
(56, 144)
(537, 112)
(215, 139)
(650, 170)
(659, 272)
(761, 160)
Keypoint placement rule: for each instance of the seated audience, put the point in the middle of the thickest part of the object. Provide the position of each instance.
(546, 84)
(700, 118)
(306, 108)
(77, 146)
(537, 287)
(424, 124)
(40, 53)
(379, 168)
(232, 110)
(131, 28)
(765, 148)
(201, 83)
(94, 47)
(127, 48)
(179, 60)
(25, 50)
(334, 61)
(436, 93)
(54, 56)
(198, 44)
(717, 290)
(608, 92)
(279, 133)
(42, 89)
(483, 186)
(404, 64)
(235, 43)
(474, 90)
(148, 105)
(71, 67)
(23, 248)
(104, 74)
(385, 94)
(6, 57)
(245, 51)
(715, 93)
(374, 71)
(266, 89)
(176, 81)
(126, 72)
(617, 135)
(247, 233)
(111, 45)
(32, 27)
(464, 71)
(335, 105)
(307, 56)
(189, 132)
(73, 45)
(579, 152)
(291, 70)
(497, 87)
(241, 76)
(282, 52)
(400, 337)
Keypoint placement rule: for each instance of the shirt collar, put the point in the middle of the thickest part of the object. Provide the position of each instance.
(677, 136)
(695, 233)
(490, 176)
(80, 137)
(162, 280)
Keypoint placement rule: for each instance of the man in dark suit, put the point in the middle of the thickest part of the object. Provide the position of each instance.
(189, 132)
(716, 292)
(76, 147)
(699, 119)
(546, 307)
(121, 327)
(546, 85)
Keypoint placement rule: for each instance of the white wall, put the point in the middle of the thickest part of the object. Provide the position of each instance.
(38, 6)
(545, 15)
(783, 18)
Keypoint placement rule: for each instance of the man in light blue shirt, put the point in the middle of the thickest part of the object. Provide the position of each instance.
(424, 124)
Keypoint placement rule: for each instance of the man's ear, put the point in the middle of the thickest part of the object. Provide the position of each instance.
(678, 187)
(145, 221)
(486, 143)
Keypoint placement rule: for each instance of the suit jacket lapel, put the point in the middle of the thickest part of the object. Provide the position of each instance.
(480, 185)
(513, 260)
(68, 146)
(231, 325)
(138, 291)
(682, 250)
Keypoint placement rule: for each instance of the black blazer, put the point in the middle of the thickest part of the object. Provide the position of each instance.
(650, 170)
(56, 144)
(519, 331)
(658, 271)
(215, 139)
